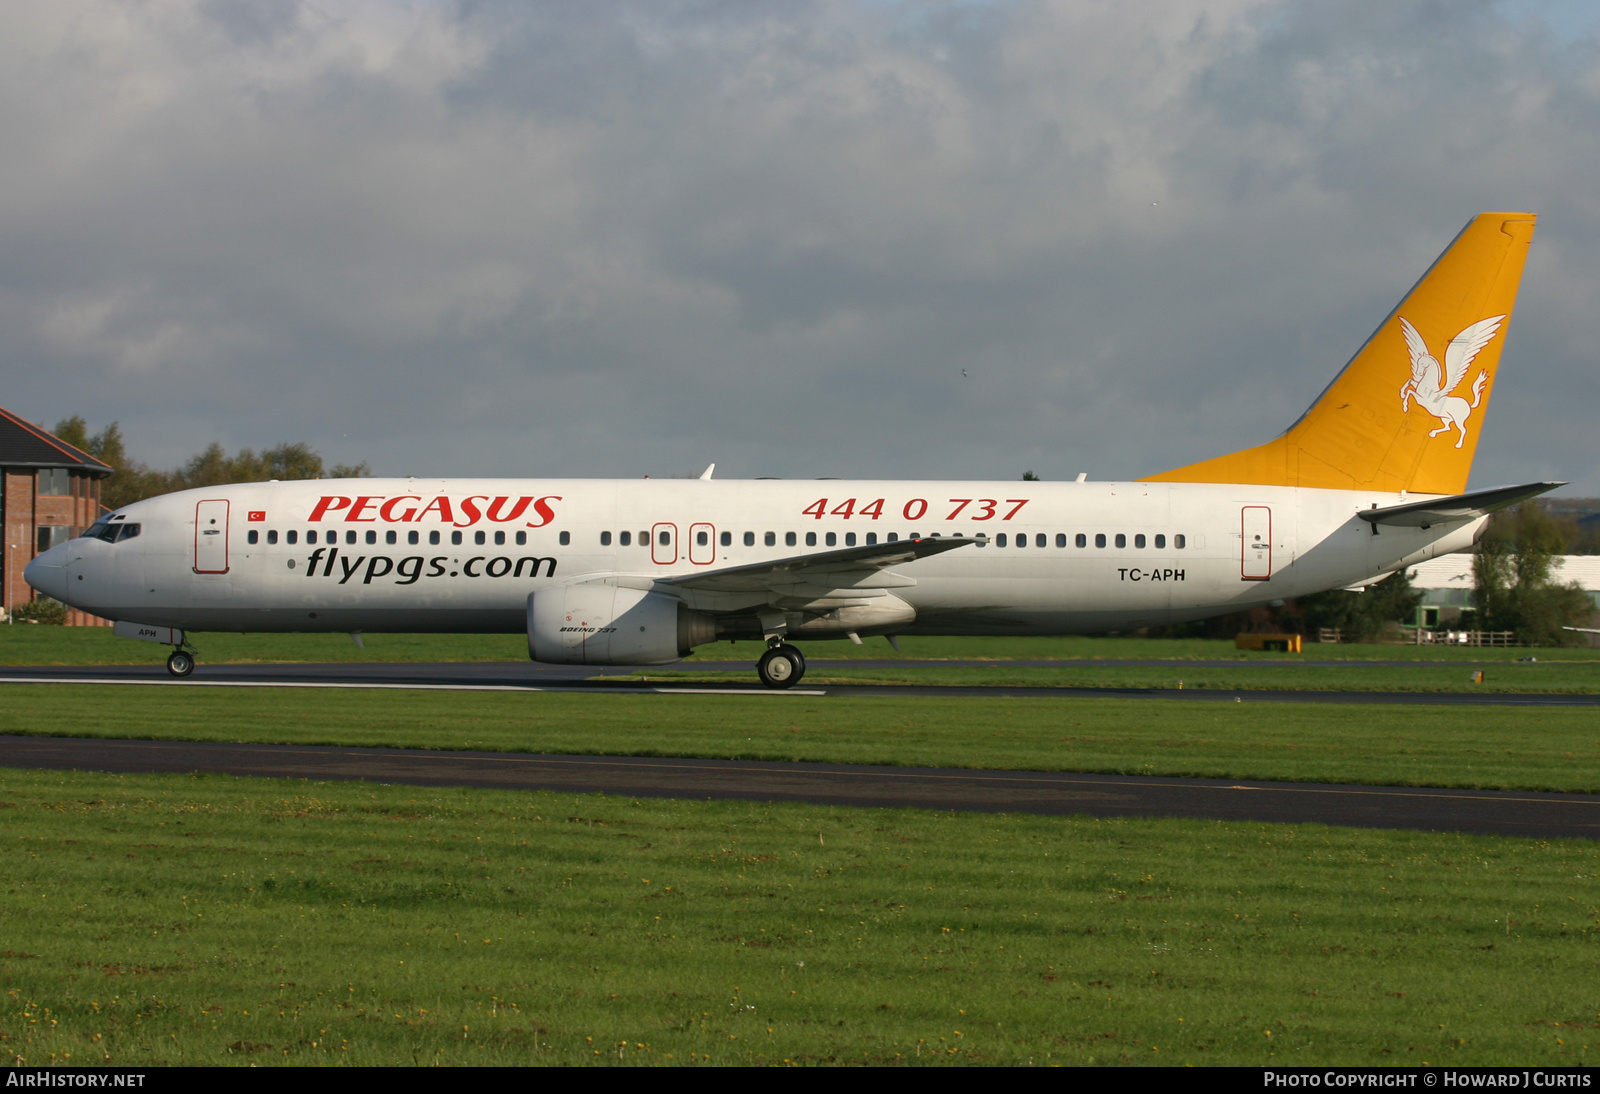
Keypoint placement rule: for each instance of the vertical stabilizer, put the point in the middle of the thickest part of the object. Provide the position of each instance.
(1406, 412)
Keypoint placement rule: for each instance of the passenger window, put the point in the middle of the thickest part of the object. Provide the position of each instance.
(1161, 541)
(624, 539)
(272, 535)
(455, 538)
(522, 538)
(372, 536)
(726, 538)
(479, 538)
(433, 539)
(252, 537)
(1000, 540)
(893, 537)
(391, 536)
(644, 539)
(788, 539)
(830, 539)
(499, 539)
(605, 539)
(311, 536)
(849, 539)
(1061, 539)
(913, 535)
(1099, 539)
(1138, 540)
(1039, 540)
(566, 538)
(771, 539)
(412, 537)
(749, 539)
(1178, 542)
(811, 539)
(872, 538)
(701, 539)
(665, 537)
(1081, 540)
(291, 535)
(1122, 540)
(350, 536)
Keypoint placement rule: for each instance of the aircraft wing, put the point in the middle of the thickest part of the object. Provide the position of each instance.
(851, 566)
(1470, 506)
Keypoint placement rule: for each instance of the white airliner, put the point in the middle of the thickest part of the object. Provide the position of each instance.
(605, 572)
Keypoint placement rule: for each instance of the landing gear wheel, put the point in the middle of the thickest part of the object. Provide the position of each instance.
(781, 667)
(181, 663)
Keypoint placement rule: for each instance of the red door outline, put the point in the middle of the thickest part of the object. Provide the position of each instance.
(702, 554)
(664, 554)
(211, 537)
(1255, 543)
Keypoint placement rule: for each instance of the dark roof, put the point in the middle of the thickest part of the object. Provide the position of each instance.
(23, 444)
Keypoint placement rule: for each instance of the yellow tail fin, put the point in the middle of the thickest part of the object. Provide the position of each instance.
(1406, 411)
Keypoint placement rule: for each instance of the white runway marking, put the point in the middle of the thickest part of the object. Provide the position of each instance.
(404, 687)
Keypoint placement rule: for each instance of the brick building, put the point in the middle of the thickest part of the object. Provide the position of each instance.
(52, 493)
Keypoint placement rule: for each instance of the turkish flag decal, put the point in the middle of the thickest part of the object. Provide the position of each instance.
(257, 514)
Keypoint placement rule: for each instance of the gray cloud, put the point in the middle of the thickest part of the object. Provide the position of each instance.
(629, 238)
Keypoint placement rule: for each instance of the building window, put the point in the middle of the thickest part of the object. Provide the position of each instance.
(55, 482)
(52, 534)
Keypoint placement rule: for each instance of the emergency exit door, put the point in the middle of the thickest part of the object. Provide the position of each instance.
(1255, 543)
(664, 544)
(211, 537)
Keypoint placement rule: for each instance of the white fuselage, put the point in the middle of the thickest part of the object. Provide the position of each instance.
(390, 555)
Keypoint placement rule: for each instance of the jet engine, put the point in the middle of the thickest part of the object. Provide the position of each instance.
(608, 625)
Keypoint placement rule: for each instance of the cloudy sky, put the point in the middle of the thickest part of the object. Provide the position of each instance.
(623, 239)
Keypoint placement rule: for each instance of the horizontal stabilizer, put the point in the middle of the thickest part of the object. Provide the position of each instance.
(760, 576)
(1478, 503)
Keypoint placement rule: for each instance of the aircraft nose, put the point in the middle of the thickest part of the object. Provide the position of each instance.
(48, 572)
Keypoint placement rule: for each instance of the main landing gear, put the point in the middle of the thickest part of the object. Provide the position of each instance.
(180, 663)
(781, 666)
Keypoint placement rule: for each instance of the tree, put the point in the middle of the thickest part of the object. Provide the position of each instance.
(1362, 616)
(1514, 587)
(133, 481)
(1029, 476)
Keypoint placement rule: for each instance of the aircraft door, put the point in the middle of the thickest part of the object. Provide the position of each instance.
(664, 544)
(702, 544)
(211, 537)
(1255, 543)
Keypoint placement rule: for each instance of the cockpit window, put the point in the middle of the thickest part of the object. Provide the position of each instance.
(111, 533)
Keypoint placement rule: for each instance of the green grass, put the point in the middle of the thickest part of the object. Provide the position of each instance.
(206, 920)
(35, 645)
(1524, 748)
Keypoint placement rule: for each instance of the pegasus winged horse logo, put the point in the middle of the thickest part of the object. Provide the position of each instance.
(1431, 383)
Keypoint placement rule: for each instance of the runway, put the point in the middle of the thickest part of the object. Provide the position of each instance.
(1505, 813)
(529, 676)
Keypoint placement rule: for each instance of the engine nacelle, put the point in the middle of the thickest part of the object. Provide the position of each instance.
(607, 625)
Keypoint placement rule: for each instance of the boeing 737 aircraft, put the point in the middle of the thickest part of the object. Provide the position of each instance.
(1371, 478)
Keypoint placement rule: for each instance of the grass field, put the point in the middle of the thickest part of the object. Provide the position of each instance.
(1538, 748)
(34, 645)
(209, 920)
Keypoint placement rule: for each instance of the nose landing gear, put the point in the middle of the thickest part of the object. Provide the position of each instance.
(781, 666)
(180, 663)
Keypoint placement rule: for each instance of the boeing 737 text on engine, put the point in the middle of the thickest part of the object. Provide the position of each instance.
(1370, 479)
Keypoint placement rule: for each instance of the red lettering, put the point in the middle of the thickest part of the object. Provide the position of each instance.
(844, 508)
(964, 502)
(816, 508)
(921, 505)
(1019, 503)
(386, 511)
(359, 506)
(542, 507)
(328, 505)
(875, 510)
(470, 511)
(988, 505)
(439, 507)
(498, 503)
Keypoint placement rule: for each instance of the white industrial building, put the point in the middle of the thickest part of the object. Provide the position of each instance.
(1446, 585)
